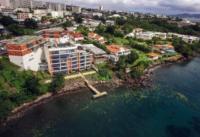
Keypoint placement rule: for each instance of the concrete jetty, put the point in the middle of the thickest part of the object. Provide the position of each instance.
(98, 94)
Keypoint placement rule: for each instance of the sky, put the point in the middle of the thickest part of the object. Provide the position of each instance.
(148, 6)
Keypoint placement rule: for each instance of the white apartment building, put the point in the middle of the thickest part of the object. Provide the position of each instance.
(26, 52)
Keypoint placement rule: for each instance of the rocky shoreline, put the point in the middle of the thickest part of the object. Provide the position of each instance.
(71, 87)
(145, 80)
(75, 86)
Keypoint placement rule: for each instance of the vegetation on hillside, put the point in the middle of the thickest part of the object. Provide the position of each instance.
(16, 29)
(18, 86)
(184, 48)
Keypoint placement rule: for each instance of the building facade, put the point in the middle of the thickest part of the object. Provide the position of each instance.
(67, 58)
(26, 52)
(21, 16)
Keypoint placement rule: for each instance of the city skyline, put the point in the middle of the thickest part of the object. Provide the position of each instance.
(145, 6)
(153, 6)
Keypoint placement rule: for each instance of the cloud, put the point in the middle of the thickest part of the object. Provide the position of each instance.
(145, 5)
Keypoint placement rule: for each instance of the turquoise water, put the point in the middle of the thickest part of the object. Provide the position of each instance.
(170, 109)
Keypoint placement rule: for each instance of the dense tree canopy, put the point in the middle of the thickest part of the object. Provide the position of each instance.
(31, 24)
(6, 21)
(78, 19)
(57, 83)
(67, 24)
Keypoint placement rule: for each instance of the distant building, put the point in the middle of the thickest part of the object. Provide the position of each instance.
(21, 16)
(5, 3)
(76, 9)
(164, 49)
(76, 36)
(57, 14)
(153, 56)
(110, 22)
(186, 38)
(56, 6)
(148, 35)
(115, 16)
(145, 35)
(101, 7)
(21, 3)
(39, 13)
(97, 14)
(96, 37)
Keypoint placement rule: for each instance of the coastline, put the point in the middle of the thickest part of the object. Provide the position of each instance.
(76, 85)
(145, 79)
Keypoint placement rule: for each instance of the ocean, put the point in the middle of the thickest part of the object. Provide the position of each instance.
(171, 108)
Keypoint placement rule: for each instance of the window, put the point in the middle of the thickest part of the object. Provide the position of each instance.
(56, 65)
(55, 57)
(54, 52)
(31, 59)
(55, 61)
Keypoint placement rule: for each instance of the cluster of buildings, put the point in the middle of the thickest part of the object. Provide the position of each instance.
(186, 38)
(161, 50)
(146, 35)
(54, 50)
(20, 10)
(13, 4)
(139, 33)
(60, 51)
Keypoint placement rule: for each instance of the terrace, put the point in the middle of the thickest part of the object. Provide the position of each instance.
(24, 40)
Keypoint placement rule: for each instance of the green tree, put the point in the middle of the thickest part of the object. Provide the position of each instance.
(100, 29)
(6, 21)
(57, 83)
(5, 108)
(105, 74)
(19, 31)
(67, 24)
(110, 30)
(131, 58)
(31, 24)
(140, 46)
(82, 29)
(121, 64)
(31, 86)
(182, 47)
(120, 21)
(137, 71)
(78, 19)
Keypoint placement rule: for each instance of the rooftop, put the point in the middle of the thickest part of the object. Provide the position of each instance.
(53, 29)
(24, 39)
(115, 48)
(152, 55)
(94, 49)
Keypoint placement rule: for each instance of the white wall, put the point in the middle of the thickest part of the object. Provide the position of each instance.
(30, 61)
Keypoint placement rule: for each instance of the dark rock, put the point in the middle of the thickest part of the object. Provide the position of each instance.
(175, 131)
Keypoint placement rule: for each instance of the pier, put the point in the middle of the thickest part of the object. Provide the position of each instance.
(97, 93)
